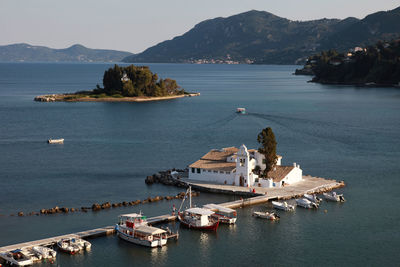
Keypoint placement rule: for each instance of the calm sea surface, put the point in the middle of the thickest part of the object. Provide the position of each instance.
(345, 133)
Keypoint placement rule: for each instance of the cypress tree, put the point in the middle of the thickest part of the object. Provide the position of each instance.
(268, 148)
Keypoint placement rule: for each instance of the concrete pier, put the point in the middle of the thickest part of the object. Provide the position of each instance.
(308, 184)
(103, 231)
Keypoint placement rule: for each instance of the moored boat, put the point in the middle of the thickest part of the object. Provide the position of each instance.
(282, 206)
(16, 257)
(135, 229)
(223, 214)
(334, 197)
(56, 141)
(47, 253)
(197, 218)
(314, 198)
(266, 215)
(305, 203)
(68, 245)
(143, 235)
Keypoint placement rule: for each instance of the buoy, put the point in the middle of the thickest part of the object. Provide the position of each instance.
(326, 211)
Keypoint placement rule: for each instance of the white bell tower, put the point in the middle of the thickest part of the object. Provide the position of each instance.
(242, 167)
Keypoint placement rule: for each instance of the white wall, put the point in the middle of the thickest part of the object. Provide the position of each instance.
(205, 175)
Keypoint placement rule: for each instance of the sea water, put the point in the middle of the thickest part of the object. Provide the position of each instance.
(339, 132)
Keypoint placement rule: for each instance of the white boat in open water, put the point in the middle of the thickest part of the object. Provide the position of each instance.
(334, 197)
(282, 206)
(56, 141)
(305, 203)
(314, 198)
(134, 228)
(16, 257)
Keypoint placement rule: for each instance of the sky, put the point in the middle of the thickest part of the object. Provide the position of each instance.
(133, 25)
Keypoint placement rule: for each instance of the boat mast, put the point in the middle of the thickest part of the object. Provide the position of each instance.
(190, 196)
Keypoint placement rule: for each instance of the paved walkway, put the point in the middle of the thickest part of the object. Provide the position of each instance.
(309, 184)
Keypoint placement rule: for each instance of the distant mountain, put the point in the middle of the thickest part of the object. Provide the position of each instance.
(75, 53)
(261, 37)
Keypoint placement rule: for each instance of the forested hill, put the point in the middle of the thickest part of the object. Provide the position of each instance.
(374, 65)
(264, 38)
(75, 53)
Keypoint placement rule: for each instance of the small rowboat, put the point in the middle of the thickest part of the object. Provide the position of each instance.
(282, 206)
(334, 197)
(266, 215)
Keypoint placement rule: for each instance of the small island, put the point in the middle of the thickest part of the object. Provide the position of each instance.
(376, 65)
(125, 84)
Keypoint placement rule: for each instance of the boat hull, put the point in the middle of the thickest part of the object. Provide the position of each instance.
(142, 242)
(211, 227)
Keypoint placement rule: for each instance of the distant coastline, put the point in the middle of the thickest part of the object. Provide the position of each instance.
(87, 98)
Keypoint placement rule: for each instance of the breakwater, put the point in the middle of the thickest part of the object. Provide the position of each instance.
(95, 207)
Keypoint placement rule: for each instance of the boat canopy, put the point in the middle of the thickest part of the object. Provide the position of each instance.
(149, 230)
(219, 208)
(133, 215)
(200, 211)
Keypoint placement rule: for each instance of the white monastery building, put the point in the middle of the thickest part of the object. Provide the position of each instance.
(235, 166)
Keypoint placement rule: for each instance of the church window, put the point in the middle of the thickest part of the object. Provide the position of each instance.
(198, 170)
(192, 170)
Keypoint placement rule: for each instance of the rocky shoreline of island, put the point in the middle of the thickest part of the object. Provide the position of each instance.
(95, 98)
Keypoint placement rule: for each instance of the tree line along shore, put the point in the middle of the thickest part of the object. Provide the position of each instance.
(125, 84)
(375, 65)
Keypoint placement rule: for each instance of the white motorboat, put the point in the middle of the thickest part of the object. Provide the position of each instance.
(305, 203)
(334, 197)
(223, 214)
(82, 244)
(16, 257)
(135, 229)
(31, 254)
(266, 215)
(282, 206)
(56, 141)
(68, 245)
(45, 252)
(314, 198)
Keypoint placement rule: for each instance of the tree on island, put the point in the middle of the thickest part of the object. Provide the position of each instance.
(133, 81)
(268, 149)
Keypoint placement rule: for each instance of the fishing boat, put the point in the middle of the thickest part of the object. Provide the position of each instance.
(334, 197)
(241, 110)
(305, 203)
(135, 229)
(266, 215)
(282, 206)
(16, 257)
(56, 141)
(45, 252)
(197, 218)
(313, 198)
(223, 214)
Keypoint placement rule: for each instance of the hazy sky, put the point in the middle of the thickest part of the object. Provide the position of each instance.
(133, 25)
